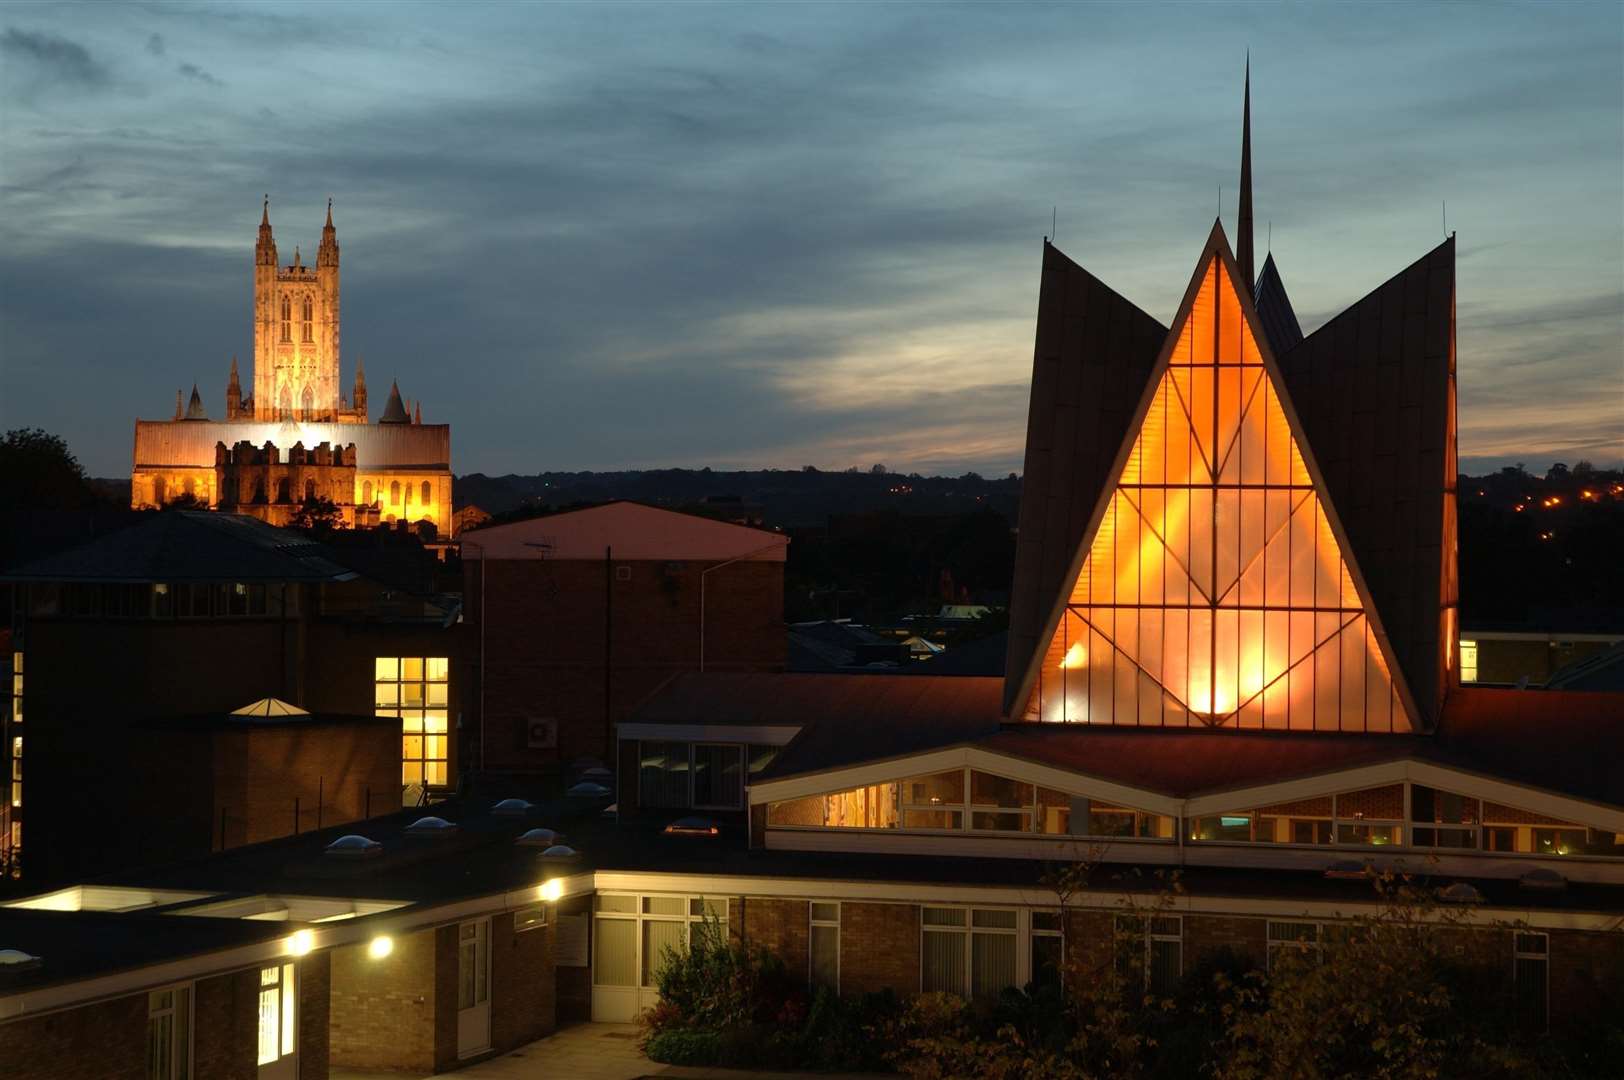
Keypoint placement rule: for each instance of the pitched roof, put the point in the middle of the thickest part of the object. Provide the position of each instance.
(1274, 309)
(186, 546)
(631, 530)
(1373, 390)
(394, 412)
(1092, 360)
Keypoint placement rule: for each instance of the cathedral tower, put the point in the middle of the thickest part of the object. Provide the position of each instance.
(296, 343)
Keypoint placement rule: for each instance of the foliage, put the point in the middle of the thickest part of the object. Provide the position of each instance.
(679, 1046)
(316, 514)
(186, 500)
(38, 471)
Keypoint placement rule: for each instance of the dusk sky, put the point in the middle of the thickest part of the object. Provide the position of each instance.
(622, 236)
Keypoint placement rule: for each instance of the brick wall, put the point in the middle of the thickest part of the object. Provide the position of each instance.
(1208, 933)
(226, 1026)
(1587, 977)
(1379, 804)
(52, 1047)
(879, 947)
(382, 1011)
(523, 988)
(780, 926)
(444, 1028)
(315, 994)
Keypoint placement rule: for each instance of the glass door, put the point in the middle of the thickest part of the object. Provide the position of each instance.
(473, 987)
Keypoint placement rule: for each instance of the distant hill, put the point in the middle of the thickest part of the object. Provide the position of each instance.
(775, 497)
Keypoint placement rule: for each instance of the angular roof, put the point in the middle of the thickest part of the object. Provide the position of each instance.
(631, 531)
(189, 546)
(394, 412)
(1374, 392)
(1091, 363)
(1274, 309)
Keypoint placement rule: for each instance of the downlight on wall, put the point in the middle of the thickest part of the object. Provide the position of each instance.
(550, 891)
(380, 947)
(300, 942)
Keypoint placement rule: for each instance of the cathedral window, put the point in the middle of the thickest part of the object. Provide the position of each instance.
(310, 490)
(394, 493)
(308, 402)
(287, 319)
(309, 332)
(284, 403)
(427, 492)
(366, 493)
(159, 490)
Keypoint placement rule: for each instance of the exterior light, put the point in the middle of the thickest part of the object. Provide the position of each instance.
(300, 942)
(550, 891)
(380, 946)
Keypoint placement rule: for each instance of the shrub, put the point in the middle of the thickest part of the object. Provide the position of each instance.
(680, 1047)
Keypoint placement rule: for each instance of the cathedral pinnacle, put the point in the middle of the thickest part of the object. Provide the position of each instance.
(327, 254)
(265, 249)
(1243, 223)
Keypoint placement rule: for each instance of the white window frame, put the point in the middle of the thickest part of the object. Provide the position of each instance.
(693, 914)
(1021, 932)
(180, 1053)
(1315, 947)
(531, 917)
(286, 983)
(1147, 928)
(480, 939)
(813, 922)
(1468, 660)
(1034, 934)
(690, 745)
(1544, 957)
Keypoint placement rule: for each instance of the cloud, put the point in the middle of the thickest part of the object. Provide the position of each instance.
(155, 44)
(192, 71)
(54, 57)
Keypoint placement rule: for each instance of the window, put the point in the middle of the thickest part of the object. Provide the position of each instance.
(394, 492)
(307, 402)
(718, 772)
(873, 807)
(366, 493)
(1530, 973)
(1468, 660)
(1374, 816)
(287, 318)
(169, 1034)
(968, 951)
(529, 917)
(1048, 947)
(427, 493)
(662, 774)
(417, 690)
(473, 963)
(631, 934)
(824, 945)
(1456, 818)
(278, 1013)
(1151, 948)
(309, 330)
(1293, 942)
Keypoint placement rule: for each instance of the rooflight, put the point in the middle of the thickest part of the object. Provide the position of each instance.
(354, 846)
(380, 946)
(431, 826)
(559, 851)
(17, 960)
(542, 838)
(1461, 893)
(300, 942)
(512, 808)
(586, 789)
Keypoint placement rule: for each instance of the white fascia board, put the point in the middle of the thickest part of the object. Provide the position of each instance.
(768, 734)
(1016, 768)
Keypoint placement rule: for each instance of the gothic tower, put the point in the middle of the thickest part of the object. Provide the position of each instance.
(296, 342)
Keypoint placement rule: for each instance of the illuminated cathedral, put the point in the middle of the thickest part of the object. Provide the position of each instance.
(294, 438)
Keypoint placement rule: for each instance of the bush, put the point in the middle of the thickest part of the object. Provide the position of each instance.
(679, 1047)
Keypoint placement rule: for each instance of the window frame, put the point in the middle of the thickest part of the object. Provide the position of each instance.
(638, 915)
(181, 1036)
(813, 924)
(1122, 926)
(424, 712)
(1543, 957)
(285, 983)
(1314, 947)
(967, 930)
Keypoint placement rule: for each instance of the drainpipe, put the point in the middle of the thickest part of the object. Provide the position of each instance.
(718, 566)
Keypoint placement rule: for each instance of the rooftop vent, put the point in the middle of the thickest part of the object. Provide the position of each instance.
(586, 789)
(542, 838)
(1461, 893)
(512, 808)
(436, 827)
(16, 960)
(1543, 879)
(560, 851)
(1346, 870)
(354, 846)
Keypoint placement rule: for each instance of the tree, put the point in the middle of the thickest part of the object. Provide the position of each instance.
(316, 514)
(39, 472)
(878, 470)
(1557, 473)
(186, 500)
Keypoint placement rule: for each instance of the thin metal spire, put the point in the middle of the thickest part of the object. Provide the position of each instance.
(1243, 225)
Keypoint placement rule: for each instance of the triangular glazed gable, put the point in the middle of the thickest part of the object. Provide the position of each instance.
(1214, 587)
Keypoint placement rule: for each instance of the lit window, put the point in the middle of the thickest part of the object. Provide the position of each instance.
(824, 945)
(417, 690)
(309, 332)
(529, 917)
(427, 493)
(278, 1013)
(1216, 591)
(287, 318)
(169, 1034)
(1468, 661)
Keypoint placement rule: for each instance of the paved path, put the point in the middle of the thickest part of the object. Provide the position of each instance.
(588, 1052)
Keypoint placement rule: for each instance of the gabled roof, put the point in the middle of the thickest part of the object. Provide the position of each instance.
(1092, 359)
(626, 531)
(1274, 309)
(1373, 392)
(188, 546)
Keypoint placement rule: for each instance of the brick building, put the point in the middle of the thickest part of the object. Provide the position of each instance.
(136, 659)
(575, 618)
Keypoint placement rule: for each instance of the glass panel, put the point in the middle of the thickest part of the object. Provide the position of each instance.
(290, 1010)
(993, 820)
(942, 963)
(1046, 920)
(993, 920)
(626, 904)
(270, 1000)
(942, 916)
(989, 790)
(658, 938)
(946, 787)
(718, 775)
(1378, 835)
(1046, 959)
(825, 912)
(825, 948)
(183, 1034)
(386, 667)
(664, 905)
(863, 808)
(663, 774)
(992, 962)
(411, 668)
(931, 819)
(1166, 967)
(614, 961)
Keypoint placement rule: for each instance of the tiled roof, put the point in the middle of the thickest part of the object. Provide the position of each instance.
(1372, 391)
(182, 546)
(1091, 363)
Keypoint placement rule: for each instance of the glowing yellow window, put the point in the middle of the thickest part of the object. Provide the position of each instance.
(1468, 661)
(416, 689)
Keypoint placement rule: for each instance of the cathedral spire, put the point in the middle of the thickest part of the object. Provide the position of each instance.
(358, 399)
(327, 254)
(194, 408)
(178, 411)
(1243, 224)
(233, 393)
(417, 411)
(265, 249)
(394, 411)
